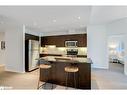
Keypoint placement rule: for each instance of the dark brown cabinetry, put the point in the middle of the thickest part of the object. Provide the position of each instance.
(59, 41)
(58, 75)
(31, 37)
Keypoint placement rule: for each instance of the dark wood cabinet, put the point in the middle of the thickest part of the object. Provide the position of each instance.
(31, 37)
(59, 41)
(57, 75)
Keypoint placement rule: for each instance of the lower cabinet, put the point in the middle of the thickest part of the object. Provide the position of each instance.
(57, 75)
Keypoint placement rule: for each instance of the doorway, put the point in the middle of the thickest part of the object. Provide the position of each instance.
(116, 49)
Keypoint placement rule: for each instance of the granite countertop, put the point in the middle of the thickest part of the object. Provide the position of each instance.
(62, 54)
(49, 53)
(67, 59)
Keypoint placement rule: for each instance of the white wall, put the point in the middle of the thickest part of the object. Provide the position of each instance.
(14, 48)
(119, 27)
(125, 57)
(97, 46)
(2, 52)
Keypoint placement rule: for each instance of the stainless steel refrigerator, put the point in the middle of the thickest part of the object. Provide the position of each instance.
(33, 54)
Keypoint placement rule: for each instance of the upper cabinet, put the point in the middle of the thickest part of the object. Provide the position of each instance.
(31, 37)
(59, 41)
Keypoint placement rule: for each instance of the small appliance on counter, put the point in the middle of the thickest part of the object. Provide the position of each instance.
(72, 52)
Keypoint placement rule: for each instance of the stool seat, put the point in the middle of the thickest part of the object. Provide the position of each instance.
(45, 66)
(71, 69)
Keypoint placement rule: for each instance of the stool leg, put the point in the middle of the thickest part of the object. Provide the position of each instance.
(74, 80)
(52, 85)
(45, 75)
(66, 80)
(49, 77)
(51, 81)
(38, 80)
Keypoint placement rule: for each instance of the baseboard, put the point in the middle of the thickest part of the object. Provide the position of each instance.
(9, 70)
(99, 67)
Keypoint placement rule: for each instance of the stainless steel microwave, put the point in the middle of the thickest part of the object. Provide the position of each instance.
(71, 43)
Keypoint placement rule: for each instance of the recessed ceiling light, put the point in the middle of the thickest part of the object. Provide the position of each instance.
(62, 27)
(82, 25)
(79, 17)
(54, 20)
(1, 22)
(39, 27)
(34, 23)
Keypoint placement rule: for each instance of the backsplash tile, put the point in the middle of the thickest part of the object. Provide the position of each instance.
(61, 50)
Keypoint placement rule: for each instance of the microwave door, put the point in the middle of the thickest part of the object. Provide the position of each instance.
(71, 43)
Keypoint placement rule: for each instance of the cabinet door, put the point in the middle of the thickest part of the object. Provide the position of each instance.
(54, 40)
(82, 40)
(42, 42)
(48, 41)
(58, 41)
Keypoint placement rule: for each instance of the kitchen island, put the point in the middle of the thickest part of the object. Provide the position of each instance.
(57, 75)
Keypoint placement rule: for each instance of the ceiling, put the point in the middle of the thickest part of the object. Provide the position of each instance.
(49, 18)
(55, 18)
(107, 14)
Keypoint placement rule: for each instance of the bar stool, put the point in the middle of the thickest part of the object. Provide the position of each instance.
(45, 65)
(71, 69)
